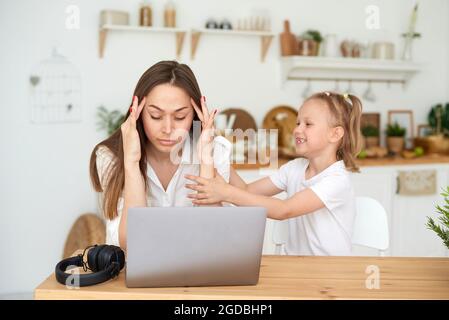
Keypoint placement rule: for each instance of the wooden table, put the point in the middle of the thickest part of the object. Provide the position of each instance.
(294, 277)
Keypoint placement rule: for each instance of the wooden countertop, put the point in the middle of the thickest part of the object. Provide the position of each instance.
(293, 277)
(386, 161)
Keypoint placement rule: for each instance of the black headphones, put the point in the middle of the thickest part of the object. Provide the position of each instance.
(105, 261)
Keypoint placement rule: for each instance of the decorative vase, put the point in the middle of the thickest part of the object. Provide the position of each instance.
(371, 142)
(395, 144)
(407, 55)
(308, 47)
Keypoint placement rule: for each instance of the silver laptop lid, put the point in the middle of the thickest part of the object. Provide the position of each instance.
(194, 246)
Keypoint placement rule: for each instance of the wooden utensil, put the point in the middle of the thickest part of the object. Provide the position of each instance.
(289, 44)
(243, 120)
(283, 118)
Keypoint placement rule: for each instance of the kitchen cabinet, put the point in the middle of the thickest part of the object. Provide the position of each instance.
(407, 215)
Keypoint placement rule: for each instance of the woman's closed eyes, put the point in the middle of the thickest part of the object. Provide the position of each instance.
(159, 118)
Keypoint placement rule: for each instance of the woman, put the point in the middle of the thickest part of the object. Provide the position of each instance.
(145, 162)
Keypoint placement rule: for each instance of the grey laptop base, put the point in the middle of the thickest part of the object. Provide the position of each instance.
(194, 246)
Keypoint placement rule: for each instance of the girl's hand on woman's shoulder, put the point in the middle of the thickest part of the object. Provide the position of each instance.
(130, 136)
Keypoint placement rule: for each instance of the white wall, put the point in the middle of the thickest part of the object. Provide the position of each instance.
(44, 168)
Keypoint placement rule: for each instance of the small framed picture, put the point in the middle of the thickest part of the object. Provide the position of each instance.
(405, 119)
(424, 130)
(370, 119)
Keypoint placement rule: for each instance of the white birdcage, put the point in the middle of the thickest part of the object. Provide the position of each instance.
(55, 91)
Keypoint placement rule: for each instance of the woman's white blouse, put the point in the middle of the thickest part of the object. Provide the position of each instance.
(176, 193)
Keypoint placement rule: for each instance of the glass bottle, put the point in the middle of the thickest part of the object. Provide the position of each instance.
(146, 15)
(170, 15)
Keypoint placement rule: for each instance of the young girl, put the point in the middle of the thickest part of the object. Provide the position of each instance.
(144, 163)
(321, 202)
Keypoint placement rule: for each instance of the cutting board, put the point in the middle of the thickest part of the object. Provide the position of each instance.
(283, 118)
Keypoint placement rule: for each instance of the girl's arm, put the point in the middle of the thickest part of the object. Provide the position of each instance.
(211, 190)
(301, 203)
(262, 186)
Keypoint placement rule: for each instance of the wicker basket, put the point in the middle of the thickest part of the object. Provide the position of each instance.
(433, 144)
(88, 229)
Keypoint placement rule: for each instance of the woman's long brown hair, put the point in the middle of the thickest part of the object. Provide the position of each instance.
(163, 72)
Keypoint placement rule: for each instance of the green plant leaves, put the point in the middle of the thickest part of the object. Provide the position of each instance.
(109, 120)
(395, 130)
(439, 113)
(370, 131)
(441, 227)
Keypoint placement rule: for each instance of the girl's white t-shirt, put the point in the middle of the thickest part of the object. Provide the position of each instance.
(326, 231)
(176, 193)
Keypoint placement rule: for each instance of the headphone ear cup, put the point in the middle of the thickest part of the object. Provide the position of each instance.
(120, 255)
(105, 258)
(92, 257)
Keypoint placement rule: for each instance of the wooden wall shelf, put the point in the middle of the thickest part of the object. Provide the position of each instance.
(265, 38)
(367, 162)
(105, 29)
(347, 69)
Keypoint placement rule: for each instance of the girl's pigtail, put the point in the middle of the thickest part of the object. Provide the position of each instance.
(354, 134)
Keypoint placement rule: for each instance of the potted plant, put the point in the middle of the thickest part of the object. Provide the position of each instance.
(395, 138)
(441, 228)
(371, 136)
(109, 120)
(438, 141)
(309, 43)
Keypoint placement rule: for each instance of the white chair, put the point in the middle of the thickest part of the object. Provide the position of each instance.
(370, 227)
(280, 235)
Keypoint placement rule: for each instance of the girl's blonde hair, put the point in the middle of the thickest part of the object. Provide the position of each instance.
(346, 111)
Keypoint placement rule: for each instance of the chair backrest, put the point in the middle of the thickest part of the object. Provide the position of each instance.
(280, 234)
(371, 224)
(88, 229)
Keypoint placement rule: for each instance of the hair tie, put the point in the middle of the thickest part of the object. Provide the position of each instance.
(327, 93)
(347, 99)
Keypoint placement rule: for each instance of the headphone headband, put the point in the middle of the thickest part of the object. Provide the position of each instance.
(112, 263)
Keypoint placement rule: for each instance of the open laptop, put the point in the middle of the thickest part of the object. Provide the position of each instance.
(194, 246)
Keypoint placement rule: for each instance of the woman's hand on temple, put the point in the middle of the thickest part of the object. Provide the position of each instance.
(210, 191)
(205, 143)
(130, 136)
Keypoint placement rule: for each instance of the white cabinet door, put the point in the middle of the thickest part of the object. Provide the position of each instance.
(411, 236)
(407, 215)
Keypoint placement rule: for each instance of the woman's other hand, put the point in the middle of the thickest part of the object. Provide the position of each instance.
(130, 136)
